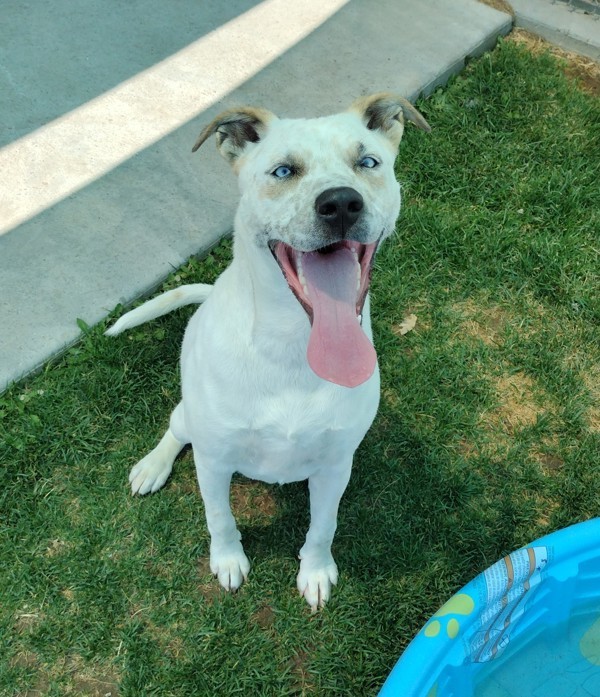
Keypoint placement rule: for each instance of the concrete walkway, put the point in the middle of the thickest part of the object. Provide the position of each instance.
(573, 25)
(100, 196)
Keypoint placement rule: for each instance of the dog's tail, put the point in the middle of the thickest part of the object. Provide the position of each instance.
(161, 305)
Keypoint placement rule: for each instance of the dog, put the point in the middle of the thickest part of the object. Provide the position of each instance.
(279, 375)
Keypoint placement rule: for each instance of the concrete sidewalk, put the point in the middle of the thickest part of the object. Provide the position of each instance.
(572, 25)
(103, 202)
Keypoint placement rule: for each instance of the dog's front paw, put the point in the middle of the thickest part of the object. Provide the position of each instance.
(231, 566)
(315, 580)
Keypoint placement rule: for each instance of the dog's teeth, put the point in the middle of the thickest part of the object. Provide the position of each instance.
(355, 255)
(301, 276)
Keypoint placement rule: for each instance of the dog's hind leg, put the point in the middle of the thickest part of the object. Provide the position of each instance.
(152, 471)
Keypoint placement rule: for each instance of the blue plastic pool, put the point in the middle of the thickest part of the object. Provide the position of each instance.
(529, 626)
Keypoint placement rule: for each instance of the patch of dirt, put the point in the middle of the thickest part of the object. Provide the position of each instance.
(485, 323)
(210, 591)
(549, 462)
(591, 380)
(56, 547)
(84, 680)
(584, 71)
(546, 454)
(299, 668)
(500, 5)
(73, 509)
(519, 404)
(27, 619)
(31, 662)
(95, 687)
(176, 648)
(68, 594)
(517, 407)
(390, 396)
(467, 448)
(546, 508)
(252, 502)
(265, 617)
(185, 482)
(25, 660)
(204, 566)
(209, 587)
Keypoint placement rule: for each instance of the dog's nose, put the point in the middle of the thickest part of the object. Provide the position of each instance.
(340, 208)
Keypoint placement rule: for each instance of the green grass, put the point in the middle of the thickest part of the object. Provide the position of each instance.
(487, 436)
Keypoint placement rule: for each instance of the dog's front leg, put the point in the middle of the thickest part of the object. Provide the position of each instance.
(318, 570)
(227, 559)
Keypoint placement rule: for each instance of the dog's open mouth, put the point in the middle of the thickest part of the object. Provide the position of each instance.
(331, 284)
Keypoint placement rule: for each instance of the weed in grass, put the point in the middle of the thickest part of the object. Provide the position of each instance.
(487, 436)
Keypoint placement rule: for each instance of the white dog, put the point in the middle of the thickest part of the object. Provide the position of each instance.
(279, 375)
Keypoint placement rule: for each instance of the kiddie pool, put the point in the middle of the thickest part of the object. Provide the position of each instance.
(529, 626)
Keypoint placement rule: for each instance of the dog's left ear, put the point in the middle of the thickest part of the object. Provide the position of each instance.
(235, 129)
(386, 112)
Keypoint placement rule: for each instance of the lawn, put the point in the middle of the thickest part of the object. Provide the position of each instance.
(488, 434)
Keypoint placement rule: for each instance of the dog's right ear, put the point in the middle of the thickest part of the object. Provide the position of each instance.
(235, 129)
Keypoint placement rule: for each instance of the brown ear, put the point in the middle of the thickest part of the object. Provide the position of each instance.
(236, 128)
(386, 112)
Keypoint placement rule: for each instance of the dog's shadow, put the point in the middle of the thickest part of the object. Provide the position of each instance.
(272, 519)
(374, 514)
(387, 524)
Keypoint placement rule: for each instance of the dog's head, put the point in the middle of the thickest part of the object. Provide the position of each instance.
(321, 194)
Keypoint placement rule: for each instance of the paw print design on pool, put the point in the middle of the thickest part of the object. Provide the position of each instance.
(460, 604)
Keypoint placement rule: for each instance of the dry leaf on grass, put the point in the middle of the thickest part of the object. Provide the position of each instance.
(407, 325)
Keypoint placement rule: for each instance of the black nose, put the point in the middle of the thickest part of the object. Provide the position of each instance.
(340, 208)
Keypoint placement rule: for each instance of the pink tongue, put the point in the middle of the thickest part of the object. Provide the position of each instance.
(338, 349)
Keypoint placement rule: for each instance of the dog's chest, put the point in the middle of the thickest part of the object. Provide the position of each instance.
(289, 440)
(279, 455)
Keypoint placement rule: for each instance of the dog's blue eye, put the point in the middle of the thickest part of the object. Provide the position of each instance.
(368, 162)
(282, 172)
